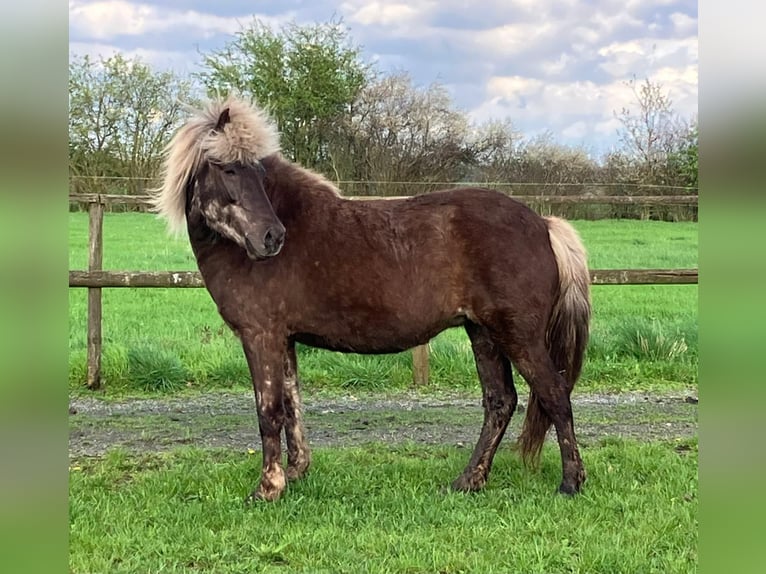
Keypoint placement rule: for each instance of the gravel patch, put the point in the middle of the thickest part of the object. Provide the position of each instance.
(228, 420)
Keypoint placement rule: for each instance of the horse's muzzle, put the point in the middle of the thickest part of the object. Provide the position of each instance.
(268, 245)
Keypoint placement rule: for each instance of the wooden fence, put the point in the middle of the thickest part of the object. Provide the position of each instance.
(95, 278)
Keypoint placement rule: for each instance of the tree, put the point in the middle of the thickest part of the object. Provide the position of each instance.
(542, 160)
(121, 113)
(495, 145)
(653, 136)
(307, 76)
(401, 133)
(686, 159)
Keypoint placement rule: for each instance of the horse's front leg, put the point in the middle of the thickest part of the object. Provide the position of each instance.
(266, 358)
(298, 451)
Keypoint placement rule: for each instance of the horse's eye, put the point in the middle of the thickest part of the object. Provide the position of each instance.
(229, 171)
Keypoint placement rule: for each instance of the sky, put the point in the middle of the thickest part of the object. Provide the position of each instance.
(558, 66)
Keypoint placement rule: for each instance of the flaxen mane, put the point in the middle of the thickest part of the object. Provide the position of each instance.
(250, 135)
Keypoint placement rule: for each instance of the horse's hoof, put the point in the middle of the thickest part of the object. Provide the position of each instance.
(252, 498)
(568, 489)
(295, 473)
(262, 495)
(298, 470)
(572, 482)
(470, 483)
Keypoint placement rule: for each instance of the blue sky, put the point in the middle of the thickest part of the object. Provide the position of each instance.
(558, 65)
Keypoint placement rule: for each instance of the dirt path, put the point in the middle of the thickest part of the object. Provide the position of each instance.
(228, 420)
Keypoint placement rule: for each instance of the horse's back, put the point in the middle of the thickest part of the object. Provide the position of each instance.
(489, 229)
(463, 248)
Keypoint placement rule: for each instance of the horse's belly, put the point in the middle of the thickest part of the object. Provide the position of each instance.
(376, 339)
(350, 345)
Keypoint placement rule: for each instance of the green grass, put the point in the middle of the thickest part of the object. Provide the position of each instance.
(643, 337)
(383, 509)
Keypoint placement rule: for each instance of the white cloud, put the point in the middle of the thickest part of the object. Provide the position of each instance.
(512, 87)
(576, 111)
(577, 130)
(560, 102)
(607, 128)
(384, 13)
(681, 86)
(607, 24)
(555, 67)
(397, 17)
(639, 56)
(512, 39)
(179, 62)
(631, 5)
(686, 76)
(106, 19)
(618, 48)
(94, 50)
(683, 24)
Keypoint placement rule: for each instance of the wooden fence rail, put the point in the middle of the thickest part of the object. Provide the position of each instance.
(137, 279)
(95, 279)
(145, 200)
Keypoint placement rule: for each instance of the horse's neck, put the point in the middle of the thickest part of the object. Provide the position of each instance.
(217, 257)
(297, 187)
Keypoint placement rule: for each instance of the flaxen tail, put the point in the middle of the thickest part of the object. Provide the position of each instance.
(568, 328)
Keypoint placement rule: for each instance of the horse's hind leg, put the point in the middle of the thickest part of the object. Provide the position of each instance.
(499, 400)
(552, 391)
(298, 452)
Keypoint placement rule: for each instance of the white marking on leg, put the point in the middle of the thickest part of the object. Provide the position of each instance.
(296, 430)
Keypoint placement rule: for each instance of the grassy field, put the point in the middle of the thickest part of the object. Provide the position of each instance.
(382, 508)
(643, 337)
(377, 507)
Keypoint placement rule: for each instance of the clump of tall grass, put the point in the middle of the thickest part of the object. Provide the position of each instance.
(153, 369)
(451, 361)
(222, 369)
(349, 371)
(115, 369)
(649, 339)
(368, 373)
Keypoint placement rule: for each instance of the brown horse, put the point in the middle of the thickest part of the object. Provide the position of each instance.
(287, 260)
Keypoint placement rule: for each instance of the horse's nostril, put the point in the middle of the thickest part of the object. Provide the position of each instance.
(273, 240)
(268, 239)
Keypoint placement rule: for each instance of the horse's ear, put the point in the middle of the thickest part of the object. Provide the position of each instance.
(223, 119)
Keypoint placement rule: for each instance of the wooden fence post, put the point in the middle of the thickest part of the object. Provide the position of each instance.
(420, 365)
(95, 256)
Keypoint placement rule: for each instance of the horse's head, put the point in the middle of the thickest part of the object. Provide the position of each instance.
(231, 196)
